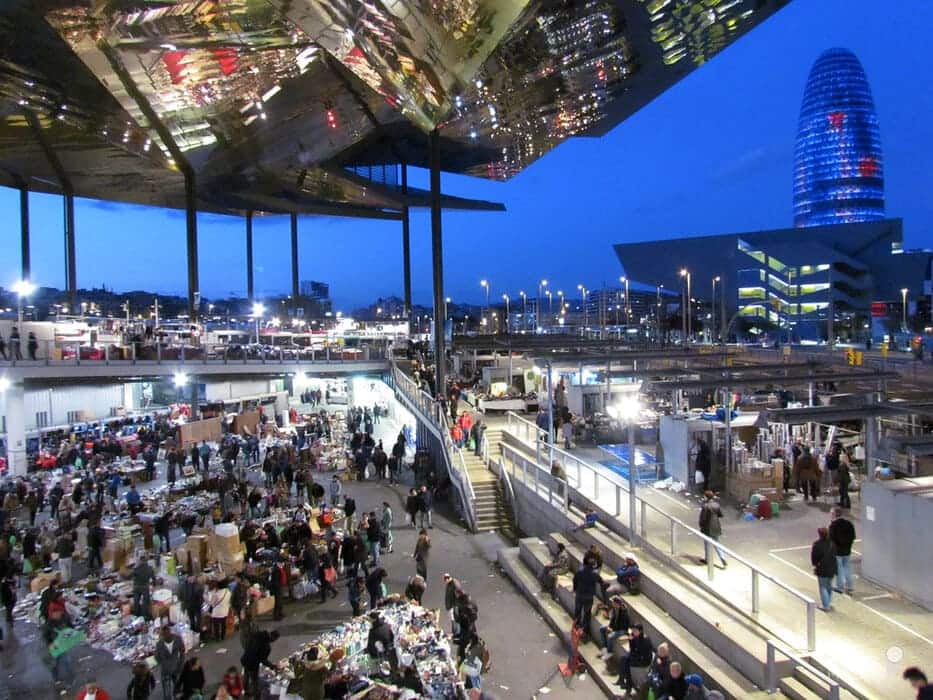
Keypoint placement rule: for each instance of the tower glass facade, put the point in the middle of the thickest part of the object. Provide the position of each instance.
(838, 173)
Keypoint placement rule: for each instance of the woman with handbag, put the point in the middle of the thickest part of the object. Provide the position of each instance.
(218, 601)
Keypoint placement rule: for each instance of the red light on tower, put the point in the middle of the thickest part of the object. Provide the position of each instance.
(868, 167)
(836, 120)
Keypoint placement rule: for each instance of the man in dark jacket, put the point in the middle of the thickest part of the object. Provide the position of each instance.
(426, 506)
(842, 534)
(275, 585)
(381, 641)
(95, 541)
(451, 589)
(585, 583)
(170, 655)
(257, 654)
(640, 654)
(143, 576)
(918, 681)
(823, 559)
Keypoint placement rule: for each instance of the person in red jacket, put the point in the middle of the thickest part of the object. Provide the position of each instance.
(233, 682)
(92, 691)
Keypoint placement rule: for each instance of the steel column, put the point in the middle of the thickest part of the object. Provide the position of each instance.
(191, 231)
(295, 287)
(24, 230)
(249, 255)
(437, 259)
(406, 248)
(71, 266)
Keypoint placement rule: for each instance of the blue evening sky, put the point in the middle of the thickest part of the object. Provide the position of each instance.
(713, 154)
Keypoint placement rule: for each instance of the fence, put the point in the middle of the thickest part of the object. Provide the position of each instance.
(664, 534)
(433, 414)
(58, 353)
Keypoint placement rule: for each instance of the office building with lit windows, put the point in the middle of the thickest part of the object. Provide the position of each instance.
(790, 278)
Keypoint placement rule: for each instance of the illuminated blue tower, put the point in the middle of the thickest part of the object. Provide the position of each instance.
(838, 173)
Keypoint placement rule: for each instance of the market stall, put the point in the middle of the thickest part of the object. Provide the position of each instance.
(421, 657)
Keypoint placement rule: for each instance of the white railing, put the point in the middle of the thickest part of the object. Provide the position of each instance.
(655, 529)
(771, 675)
(67, 353)
(433, 413)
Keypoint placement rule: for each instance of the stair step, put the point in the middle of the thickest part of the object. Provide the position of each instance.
(817, 686)
(558, 618)
(686, 648)
(796, 690)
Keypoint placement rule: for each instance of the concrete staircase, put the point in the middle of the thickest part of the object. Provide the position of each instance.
(704, 635)
(493, 511)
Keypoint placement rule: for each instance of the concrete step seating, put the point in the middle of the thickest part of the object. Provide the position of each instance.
(736, 639)
(557, 617)
(695, 656)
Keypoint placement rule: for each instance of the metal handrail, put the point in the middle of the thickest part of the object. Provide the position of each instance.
(673, 525)
(430, 411)
(771, 676)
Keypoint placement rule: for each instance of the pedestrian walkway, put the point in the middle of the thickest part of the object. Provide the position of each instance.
(870, 636)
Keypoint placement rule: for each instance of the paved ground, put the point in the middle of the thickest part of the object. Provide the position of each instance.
(874, 634)
(524, 650)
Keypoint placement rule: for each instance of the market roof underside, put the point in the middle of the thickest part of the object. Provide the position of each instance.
(304, 105)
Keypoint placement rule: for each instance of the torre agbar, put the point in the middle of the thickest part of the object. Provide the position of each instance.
(838, 173)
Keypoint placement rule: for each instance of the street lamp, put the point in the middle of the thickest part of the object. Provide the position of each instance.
(524, 308)
(508, 321)
(560, 295)
(628, 409)
(23, 288)
(446, 303)
(485, 285)
(712, 303)
(585, 310)
(258, 311)
(628, 308)
(904, 308)
(685, 307)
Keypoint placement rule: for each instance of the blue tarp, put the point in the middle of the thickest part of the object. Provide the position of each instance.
(646, 466)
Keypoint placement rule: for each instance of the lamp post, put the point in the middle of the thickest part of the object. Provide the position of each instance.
(560, 297)
(904, 308)
(508, 320)
(685, 307)
(583, 301)
(541, 285)
(446, 303)
(485, 285)
(628, 306)
(524, 308)
(550, 305)
(712, 303)
(23, 288)
(258, 311)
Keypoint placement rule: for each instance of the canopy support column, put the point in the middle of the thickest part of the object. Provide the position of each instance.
(71, 265)
(406, 249)
(191, 239)
(24, 230)
(295, 287)
(249, 256)
(437, 264)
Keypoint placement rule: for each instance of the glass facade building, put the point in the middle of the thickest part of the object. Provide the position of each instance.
(838, 173)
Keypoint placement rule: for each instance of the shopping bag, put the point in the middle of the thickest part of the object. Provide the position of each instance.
(66, 640)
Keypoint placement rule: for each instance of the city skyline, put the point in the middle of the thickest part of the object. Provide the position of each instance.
(713, 154)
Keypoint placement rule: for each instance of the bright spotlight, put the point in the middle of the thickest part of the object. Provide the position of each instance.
(180, 379)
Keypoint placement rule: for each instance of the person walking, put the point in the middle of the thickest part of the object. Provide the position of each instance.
(412, 505)
(170, 655)
(386, 524)
(585, 582)
(426, 506)
(143, 576)
(32, 345)
(141, 684)
(336, 488)
(218, 601)
(710, 525)
(823, 559)
(421, 553)
(65, 549)
(842, 534)
(15, 352)
(807, 474)
(918, 681)
(844, 479)
(257, 654)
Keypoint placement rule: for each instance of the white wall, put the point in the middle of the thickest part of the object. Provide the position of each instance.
(57, 402)
(234, 389)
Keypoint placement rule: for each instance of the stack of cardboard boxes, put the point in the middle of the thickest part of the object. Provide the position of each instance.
(227, 548)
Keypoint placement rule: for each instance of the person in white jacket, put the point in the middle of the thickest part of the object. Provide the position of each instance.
(218, 602)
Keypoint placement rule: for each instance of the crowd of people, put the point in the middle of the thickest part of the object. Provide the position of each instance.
(43, 520)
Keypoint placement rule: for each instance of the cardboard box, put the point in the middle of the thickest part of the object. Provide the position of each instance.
(232, 564)
(199, 545)
(226, 546)
(42, 580)
(265, 605)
